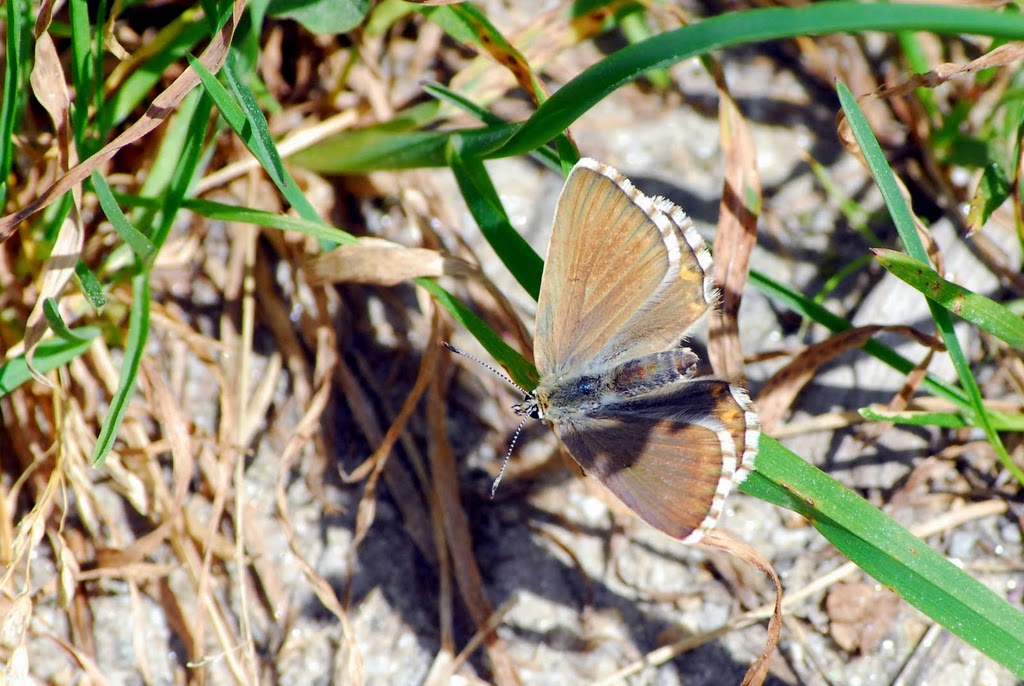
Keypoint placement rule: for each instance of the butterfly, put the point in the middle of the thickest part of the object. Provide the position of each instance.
(627, 278)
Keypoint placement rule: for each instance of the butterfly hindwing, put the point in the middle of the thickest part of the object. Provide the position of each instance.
(670, 455)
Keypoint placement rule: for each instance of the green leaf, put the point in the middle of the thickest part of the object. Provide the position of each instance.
(806, 307)
(135, 345)
(172, 43)
(247, 121)
(56, 322)
(521, 371)
(48, 356)
(322, 16)
(90, 285)
(945, 420)
(140, 245)
(993, 189)
(907, 229)
(983, 312)
(741, 28)
(890, 554)
(485, 206)
(17, 63)
(382, 147)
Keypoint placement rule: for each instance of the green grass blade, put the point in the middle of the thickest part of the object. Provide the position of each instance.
(91, 287)
(891, 554)
(904, 221)
(57, 323)
(47, 356)
(983, 312)
(945, 420)
(83, 74)
(812, 310)
(740, 28)
(383, 147)
(521, 371)
(140, 245)
(16, 55)
(182, 153)
(485, 206)
(135, 345)
(171, 44)
(546, 156)
(247, 121)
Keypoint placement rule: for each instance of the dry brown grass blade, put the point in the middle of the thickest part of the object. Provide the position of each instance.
(49, 85)
(161, 108)
(505, 54)
(352, 665)
(380, 262)
(379, 459)
(1001, 56)
(442, 676)
(771, 611)
(718, 539)
(738, 212)
(456, 526)
(544, 39)
(167, 412)
(778, 393)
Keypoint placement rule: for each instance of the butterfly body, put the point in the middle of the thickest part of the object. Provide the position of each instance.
(627, 277)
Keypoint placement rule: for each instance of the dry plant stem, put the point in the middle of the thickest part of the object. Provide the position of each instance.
(474, 642)
(738, 212)
(379, 459)
(758, 671)
(872, 431)
(467, 572)
(778, 394)
(950, 520)
(197, 565)
(826, 422)
(445, 664)
(49, 85)
(247, 236)
(307, 426)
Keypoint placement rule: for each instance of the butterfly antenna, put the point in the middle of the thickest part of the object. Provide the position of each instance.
(508, 454)
(519, 429)
(483, 364)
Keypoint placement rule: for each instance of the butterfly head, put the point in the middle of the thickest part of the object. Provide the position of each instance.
(530, 407)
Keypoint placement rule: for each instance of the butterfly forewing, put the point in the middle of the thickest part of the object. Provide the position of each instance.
(586, 299)
(685, 295)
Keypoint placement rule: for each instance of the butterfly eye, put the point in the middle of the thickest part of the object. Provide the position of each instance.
(528, 408)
